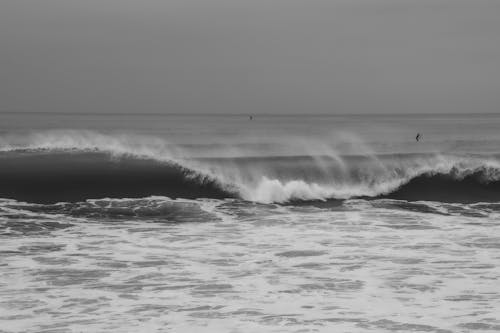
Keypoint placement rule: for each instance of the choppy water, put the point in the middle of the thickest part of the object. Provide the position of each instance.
(309, 262)
(230, 266)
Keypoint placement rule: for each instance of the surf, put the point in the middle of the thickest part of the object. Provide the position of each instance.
(75, 166)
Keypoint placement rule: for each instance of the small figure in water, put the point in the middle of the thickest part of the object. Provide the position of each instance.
(418, 137)
(250, 117)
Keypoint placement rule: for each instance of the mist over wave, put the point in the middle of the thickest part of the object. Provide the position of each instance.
(78, 165)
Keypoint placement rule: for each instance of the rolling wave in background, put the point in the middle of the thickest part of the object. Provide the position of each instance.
(56, 166)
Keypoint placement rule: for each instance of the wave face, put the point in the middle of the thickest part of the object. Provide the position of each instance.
(456, 186)
(48, 177)
(75, 166)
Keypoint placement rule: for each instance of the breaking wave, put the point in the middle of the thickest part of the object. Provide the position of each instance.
(75, 166)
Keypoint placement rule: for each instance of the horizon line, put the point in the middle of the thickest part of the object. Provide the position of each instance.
(241, 114)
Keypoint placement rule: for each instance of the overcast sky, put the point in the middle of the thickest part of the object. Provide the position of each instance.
(253, 56)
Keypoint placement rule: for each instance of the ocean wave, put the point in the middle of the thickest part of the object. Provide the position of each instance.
(74, 166)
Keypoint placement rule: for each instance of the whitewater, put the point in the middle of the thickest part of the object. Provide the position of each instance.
(280, 224)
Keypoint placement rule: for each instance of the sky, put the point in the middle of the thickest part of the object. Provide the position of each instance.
(250, 57)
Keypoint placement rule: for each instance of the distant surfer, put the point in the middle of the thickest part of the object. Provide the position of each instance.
(418, 137)
(250, 117)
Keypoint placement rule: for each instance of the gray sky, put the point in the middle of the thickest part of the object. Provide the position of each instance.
(253, 56)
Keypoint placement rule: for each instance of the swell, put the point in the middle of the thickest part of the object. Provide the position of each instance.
(76, 166)
(56, 176)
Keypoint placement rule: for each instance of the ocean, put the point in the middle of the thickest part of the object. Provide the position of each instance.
(249, 223)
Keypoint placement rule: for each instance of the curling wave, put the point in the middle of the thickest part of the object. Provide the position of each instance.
(76, 166)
